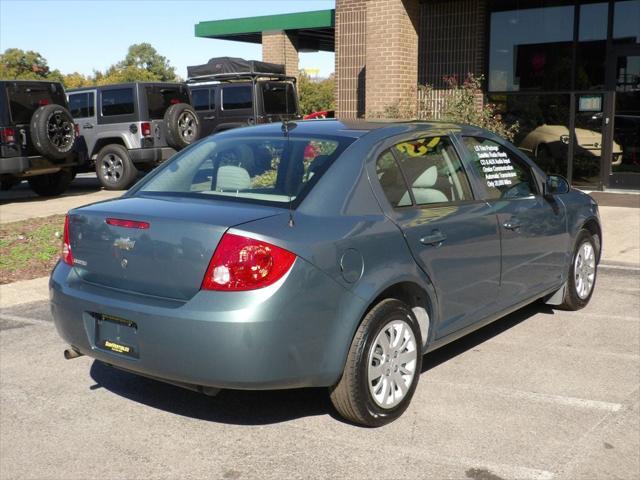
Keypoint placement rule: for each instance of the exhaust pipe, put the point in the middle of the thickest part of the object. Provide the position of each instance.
(70, 353)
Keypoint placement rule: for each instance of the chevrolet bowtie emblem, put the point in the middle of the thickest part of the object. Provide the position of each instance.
(124, 243)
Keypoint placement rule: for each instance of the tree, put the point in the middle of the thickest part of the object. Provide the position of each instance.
(144, 60)
(18, 64)
(316, 96)
(77, 80)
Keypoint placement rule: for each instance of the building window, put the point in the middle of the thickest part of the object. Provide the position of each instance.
(626, 22)
(591, 50)
(531, 49)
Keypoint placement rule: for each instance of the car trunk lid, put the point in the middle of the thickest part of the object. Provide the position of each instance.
(165, 249)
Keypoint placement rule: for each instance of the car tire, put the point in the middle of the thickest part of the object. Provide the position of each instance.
(52, 131)
(583, 272)
(114, 168)
(51, 184)
(182, 125)
(377, 384)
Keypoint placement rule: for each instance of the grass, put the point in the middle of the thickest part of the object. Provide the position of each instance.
(29, 248)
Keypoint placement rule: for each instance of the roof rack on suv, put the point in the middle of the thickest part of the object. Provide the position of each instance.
(233, 68)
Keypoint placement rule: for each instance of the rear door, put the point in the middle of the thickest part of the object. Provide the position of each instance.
(204, 103)
(82, 106)
(236, 105)
(452, 236)
(278, 100)
(535, 241)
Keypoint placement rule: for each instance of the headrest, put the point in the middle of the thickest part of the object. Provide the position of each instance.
(427, 179)
(232, 178)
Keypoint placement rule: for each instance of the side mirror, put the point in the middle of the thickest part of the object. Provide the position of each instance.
(556, 185)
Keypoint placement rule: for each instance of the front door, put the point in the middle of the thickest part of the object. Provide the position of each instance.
(533, 228)
(452, 236)
(622, 118)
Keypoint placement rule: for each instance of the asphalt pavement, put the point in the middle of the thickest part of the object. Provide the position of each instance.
(540, 394)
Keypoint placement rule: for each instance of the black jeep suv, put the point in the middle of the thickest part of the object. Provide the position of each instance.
(229, 92)
(37, 136)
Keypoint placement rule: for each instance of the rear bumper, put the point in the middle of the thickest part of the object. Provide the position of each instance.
(153, 155)
(14, 165)
(295, 333)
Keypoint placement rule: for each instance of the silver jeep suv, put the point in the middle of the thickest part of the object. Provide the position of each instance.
(132, 126)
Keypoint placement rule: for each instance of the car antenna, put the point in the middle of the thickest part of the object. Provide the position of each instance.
(285, 131)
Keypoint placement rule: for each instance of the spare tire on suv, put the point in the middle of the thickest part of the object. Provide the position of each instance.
(182, 125)
(53, 131)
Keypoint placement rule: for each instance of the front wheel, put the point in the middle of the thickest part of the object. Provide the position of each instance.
(382, 368)
(582, 273)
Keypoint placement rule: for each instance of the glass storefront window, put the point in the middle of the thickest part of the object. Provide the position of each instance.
(592, 46)
(543, 122)
(531, 49)
(626, 22)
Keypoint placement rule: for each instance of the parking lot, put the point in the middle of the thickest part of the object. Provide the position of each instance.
(540, 394)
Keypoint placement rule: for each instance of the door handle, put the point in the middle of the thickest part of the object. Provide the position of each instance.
(87, 125)
(209, 118)
(512, 224)
(435, 238)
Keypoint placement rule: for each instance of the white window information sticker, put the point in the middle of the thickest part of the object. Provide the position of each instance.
(496, 165)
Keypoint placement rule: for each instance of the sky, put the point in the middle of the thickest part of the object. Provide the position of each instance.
(82, 36)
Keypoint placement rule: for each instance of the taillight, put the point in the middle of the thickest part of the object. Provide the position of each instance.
(242, 263)
(76, 127)
(43, 102)
(145, 129)
(66, 255)
(8, 135)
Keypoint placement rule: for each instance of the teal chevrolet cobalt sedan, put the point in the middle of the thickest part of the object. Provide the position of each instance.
(321, 253)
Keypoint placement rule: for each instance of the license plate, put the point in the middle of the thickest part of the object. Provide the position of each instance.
(116, 335)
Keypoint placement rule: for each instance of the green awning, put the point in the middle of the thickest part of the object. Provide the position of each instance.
(314, 30)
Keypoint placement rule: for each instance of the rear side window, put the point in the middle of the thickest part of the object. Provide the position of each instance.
(278, 97)
(430, 166)
(24, 99)
(81, 105)
(503, 173)
(117, 102)
(392, 181)
(234, 98)
(201, 99)
(160, 98)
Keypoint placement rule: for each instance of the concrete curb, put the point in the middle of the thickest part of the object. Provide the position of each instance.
(24, 291)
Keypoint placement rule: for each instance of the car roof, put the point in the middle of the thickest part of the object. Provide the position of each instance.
(355, 128)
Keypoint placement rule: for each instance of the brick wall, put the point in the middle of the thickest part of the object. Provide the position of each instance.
(281, 47)
(350, 47)
(452, 40)
(391, 57)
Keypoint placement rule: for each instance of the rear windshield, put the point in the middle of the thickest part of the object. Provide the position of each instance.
(264, 169)
(24, 99)
(279, 98)
(160, 98)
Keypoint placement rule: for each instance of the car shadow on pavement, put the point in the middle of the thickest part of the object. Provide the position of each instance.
(239, 407)
(468, 342)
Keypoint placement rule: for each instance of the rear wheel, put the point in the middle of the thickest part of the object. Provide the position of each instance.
(582, 273)
(114, 168)
(51, 184)
(382, 368)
